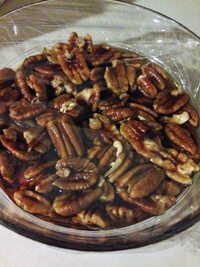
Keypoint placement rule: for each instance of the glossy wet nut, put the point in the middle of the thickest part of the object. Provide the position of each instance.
(118, 114)
(180, 137)
(146, 87)
(114, 101)
(8, 165)
(92, 217)
(61, 83)
(122, 213)
(8, 95)
(46, 185)
(153, 76)
(100, 54)
(108, 190)
(39, 87)
(178, 118)
(193, 115)
(25, 110)
(7, 77)
(70, 204)
(167, 101)
(32, 202)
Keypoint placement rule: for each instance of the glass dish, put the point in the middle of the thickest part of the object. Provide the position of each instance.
(28, 30)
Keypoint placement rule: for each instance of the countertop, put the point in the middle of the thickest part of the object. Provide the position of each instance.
(183, 250)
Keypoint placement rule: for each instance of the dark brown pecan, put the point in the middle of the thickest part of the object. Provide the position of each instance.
(119, 114)
(169, 101)
(180, 137)
(100, 54)
(14, 148)
(25, 110)
(65, 136)
(95, 216)
(97, 73)
(100, 130)
(39, 87)
(108, 190)
(7, 77)
(8, 95)
(44, 118)
(114, 101)
(8, 165)
(33, 202)
(139, 136)
(154, 77)
(70, 204)
(147, 88)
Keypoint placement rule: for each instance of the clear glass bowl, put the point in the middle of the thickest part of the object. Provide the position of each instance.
(27, 30)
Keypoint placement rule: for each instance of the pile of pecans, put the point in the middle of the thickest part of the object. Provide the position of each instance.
(94, 137)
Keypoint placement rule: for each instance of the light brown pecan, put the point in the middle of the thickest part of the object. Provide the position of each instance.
(33, 202)
(44, 118)
(140, 181)
(65, 136)
(37, 139)
(100, 54)
(179, 118)
(193, 115)
(46, 185)
(95, 216)
(116, 78)
(171, 188)
(7, 77)
(80, 42)
(25, 110)
(138, 135)
(169, 101)
(61, 84)
(180, 137)
(70, 204)
(97, 73)
(114, 101)
(81, 174)
(123, 161)
(122, 213)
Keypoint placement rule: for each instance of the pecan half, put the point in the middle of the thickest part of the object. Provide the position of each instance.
(70, 204)
(114, 101)
(100, 54)
(7, 77)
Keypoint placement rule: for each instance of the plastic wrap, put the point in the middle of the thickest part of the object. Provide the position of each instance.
(28, 30)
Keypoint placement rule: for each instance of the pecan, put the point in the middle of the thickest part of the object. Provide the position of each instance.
(37, 139)
(8, 166)
(122, 213)
(180, 137)
(193, 115)
(80, 42)
(154, 77)
(140, 181)
(159, 70)
(45, 71)
(39, 87)
(168, 101)
(119, 114)
(108, 191)
(20, 81)
(25, 110)
(136, 133)
(70, 204)
(89, 97)
(171, 188)
(46, 185)
(100, 130)
(15, 150)
(100, 54)
(32, 202)
(32, 61)
(65, 136)
(95, 216)
(147, 88)
(44, 118)
(114, 101)
(72, 108)
(82, 174)
(124, 158)
(8, 95)
(76, 68)
(61, 83)
(177, 118)
(97, 74)
(7, 77)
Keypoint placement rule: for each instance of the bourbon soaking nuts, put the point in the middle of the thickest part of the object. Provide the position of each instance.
(93, 137)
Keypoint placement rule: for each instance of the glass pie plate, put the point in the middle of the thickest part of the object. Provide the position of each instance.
(28, 30)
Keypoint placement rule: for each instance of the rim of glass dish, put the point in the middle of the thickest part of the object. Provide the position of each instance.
(177, 229)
